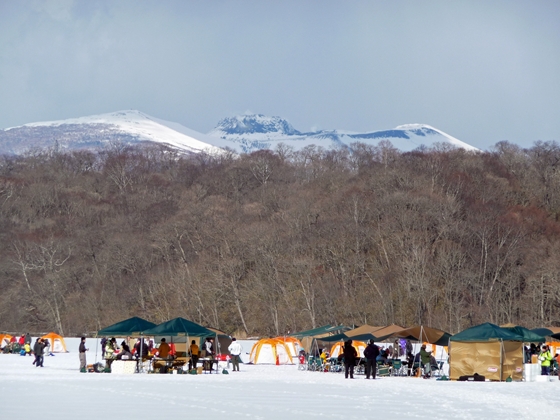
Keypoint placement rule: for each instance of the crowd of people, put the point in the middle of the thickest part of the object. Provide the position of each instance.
(145, 348)
(422, 363)
(24, 347)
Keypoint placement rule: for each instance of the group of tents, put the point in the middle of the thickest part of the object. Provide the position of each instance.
(495, 352)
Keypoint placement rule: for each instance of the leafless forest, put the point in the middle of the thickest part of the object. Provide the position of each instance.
(281, 241)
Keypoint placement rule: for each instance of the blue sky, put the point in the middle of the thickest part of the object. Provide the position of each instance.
(482, 71)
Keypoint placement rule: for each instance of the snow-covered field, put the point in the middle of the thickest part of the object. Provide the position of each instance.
(59, 391)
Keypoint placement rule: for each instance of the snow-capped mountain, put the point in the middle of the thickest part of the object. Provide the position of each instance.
(248, 133)
(242, 134)
(98, 131)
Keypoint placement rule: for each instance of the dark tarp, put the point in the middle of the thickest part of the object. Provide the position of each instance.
(553, 332)
(319, 331)
(332, 338)
(487, 332)
(528, 335)
(308, 338)
(180, 327)
(128, 327)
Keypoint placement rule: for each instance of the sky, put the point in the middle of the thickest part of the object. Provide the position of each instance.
(482, 71)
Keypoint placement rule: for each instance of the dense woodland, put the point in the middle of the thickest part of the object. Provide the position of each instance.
(272, 242)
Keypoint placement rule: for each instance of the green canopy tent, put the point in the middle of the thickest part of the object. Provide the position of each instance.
(131, 327)
(180, 327)
(309, 338)
(489, 350)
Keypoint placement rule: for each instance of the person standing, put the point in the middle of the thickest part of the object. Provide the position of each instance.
(82, 351)
(194, 352)
(39, 349)
(350, 356)
(235, 350)
(163, 349)
(371, 352)
(209, 348)
(546, 360)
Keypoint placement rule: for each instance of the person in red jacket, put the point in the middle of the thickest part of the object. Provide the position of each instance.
(21, 340)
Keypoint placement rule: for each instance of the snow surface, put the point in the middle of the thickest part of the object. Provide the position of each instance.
(59, 391)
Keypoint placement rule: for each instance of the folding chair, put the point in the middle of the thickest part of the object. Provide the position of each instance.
(382, 370)
(437, 368)
(396, 368)
(413, 370)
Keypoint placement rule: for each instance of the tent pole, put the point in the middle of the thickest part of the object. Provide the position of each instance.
(140, 360)
(501, 360)
(96, 347)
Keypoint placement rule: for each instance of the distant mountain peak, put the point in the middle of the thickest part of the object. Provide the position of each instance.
(242, 134)
(255, 124)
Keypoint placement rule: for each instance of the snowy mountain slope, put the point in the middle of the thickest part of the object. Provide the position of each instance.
(248, 133)
(129, 127)
(242, 134)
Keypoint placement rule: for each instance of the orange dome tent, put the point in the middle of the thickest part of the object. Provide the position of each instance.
(293, 344)
(57, 343)
(337, 348)
(5, 339)
(270, 351)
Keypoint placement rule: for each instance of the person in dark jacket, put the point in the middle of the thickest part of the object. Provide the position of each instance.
(38, 350)
(350, 356)
(371, 352)
(82, 354)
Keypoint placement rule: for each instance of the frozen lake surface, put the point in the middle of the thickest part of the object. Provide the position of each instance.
(60, 391)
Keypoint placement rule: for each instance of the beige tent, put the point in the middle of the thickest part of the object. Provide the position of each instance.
(364, 329)
(489, 350)
(496, 360)
(387, 331)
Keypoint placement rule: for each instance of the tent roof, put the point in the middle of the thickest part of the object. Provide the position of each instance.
(320, 331)
(553, 332)
(422, 334)
(487, 332)
(180, 327)
(364, 329)
(335, 337)
(130, 326)
(386, 332)
(528, 335)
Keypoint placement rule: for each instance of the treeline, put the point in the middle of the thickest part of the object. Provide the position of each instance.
(272, 242)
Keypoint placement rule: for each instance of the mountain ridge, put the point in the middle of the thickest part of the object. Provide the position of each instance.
(241, 134)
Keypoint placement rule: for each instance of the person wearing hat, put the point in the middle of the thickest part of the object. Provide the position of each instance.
(546, 360)
(425, 360)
